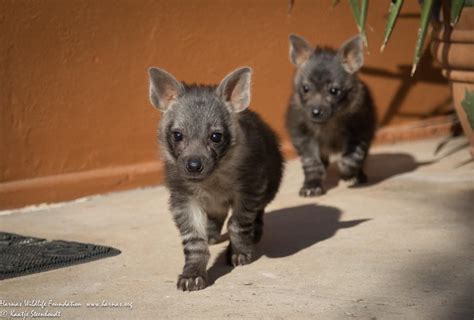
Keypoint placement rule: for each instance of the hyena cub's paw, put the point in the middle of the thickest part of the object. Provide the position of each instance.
(191, 283)
(238, 258)
(346, 176)
(312, 189)
(348, 170)
(358, 177)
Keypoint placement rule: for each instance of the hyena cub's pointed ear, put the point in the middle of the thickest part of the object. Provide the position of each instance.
(164, 88)
(235, 89)
(352, 54)
(300, 50)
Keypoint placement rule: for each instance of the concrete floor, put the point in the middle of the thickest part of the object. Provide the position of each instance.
(400, 248)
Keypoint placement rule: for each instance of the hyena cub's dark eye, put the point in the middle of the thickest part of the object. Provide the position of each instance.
(216, 137)
(177, 136)
(334, 91)
(305, 88)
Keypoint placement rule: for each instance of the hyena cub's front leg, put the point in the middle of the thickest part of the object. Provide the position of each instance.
(351, 164)
(314, 168)
(314, 163)
(192, 224)
(245, 230)
(313, 160)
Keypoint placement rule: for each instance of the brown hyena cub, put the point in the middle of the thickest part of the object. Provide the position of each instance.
(218, 156)
(330, 111)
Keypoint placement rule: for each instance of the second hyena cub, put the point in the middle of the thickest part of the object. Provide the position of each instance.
(218, 155)
(330, 111)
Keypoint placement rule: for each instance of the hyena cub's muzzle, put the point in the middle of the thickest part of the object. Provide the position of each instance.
(196, 167)
(319, 111)
(320, 114)
(195, 161)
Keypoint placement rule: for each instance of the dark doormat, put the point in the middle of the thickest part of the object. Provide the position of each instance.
(21, 255)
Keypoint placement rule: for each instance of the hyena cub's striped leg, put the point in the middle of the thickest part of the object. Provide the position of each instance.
(314, 163)
(245, 230)
(351, 164)
(192, 223)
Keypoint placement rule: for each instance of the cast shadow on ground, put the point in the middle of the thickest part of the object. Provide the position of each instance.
(381, 166)
(378, 167)
(427, 73)
(290, 230)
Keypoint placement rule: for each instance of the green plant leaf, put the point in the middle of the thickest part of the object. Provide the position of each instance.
(426, 8)
(456, 8)
(394, 11)
(468, 105)
(355, 12)
(360, 16)
(363, 18)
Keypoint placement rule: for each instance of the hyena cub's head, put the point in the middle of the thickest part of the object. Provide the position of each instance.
(325, 79)
(199, 125)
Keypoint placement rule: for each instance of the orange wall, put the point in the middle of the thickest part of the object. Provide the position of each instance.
(75, 117)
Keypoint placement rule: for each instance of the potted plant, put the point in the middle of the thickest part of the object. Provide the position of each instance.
(452, 45)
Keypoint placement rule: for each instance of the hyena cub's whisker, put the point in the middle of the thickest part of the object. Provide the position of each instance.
(330, 111)
(212, 148)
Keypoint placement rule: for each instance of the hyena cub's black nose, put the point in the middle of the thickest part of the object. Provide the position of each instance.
(194, 165)
(316, 112)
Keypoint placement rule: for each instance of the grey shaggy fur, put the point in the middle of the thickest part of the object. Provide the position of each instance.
(330, 111)
(218, 156)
